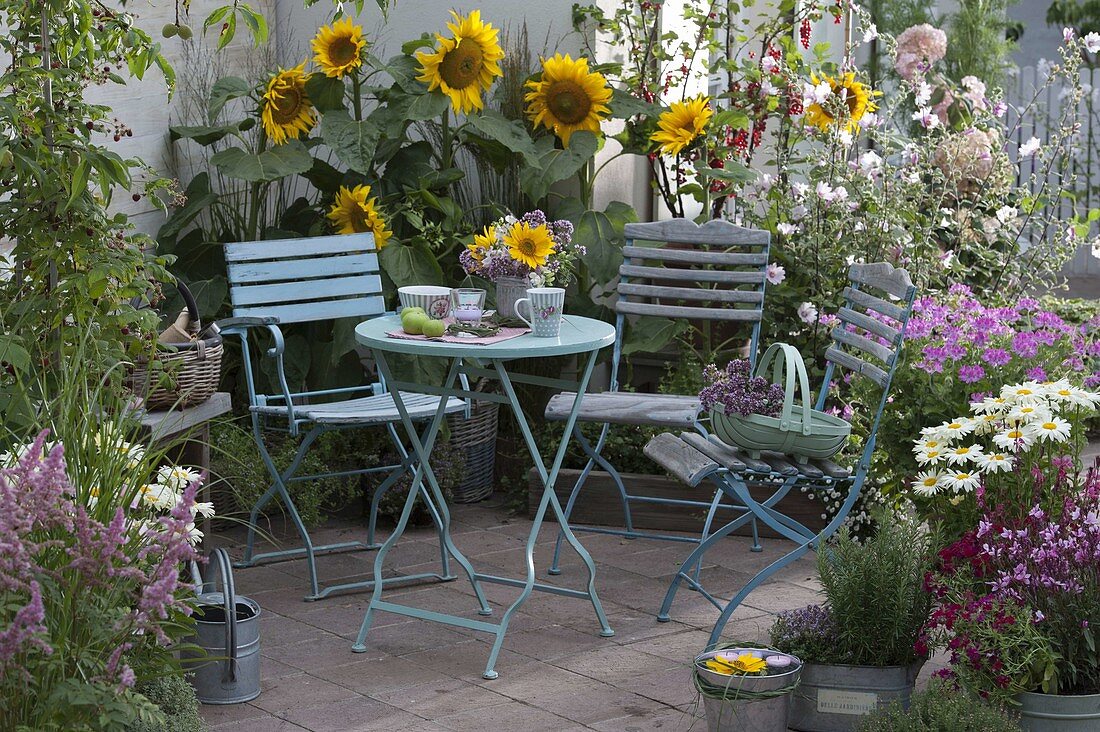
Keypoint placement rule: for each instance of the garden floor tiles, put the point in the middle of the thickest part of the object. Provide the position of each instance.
(556, 673)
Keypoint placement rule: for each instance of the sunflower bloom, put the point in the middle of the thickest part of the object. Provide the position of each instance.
(568, 97)
(681, 124)
(481, 244)
(286, 111)
(857, 96)
(528, 244)
(354, 212)
(465, 65)
(338, 48)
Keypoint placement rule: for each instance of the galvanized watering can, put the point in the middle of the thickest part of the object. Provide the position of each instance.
(227, 668)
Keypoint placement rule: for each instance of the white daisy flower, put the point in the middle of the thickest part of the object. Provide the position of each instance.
(961, 481)
(204, 509)
(956, 428)
(1013, 438)
(1064, 393)
(996, 462)
(1054, 429)
(1029, 391)
(927, 484)
(990, 405)
(178, 477)
(158, 496)
(928, 457)
(963, 454)
(987, 423)
(1029, 412)
(929, 443)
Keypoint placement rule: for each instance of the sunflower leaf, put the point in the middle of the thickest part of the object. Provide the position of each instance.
(353, 142)
(279, 162)
(325, 93)
(410, 263)
(428, 106)
(507, 132)
(626, 105)
(224, 89)
(561, 164)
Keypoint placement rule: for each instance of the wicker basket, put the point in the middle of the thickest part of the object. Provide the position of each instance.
(193, 366)
(476, 440)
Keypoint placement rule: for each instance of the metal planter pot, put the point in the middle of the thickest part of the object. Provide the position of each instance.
(835, 698)
(226, 669)
(1056, 713)
(756, 715)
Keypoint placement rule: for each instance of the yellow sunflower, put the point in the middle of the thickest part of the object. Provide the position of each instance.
(338, 48)
(857, 96)
(681, 124)
(481, 244)
(568, 97)
(465, 64)
(287, 113)
(529, 245)
(354, 212)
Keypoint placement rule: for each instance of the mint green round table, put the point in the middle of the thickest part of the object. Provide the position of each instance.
(579, 336)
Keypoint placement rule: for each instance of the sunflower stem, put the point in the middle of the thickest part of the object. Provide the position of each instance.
(357, 97)
(446, 141)
(257, 188)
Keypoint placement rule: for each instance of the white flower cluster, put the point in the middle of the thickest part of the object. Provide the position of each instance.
(1020, 417)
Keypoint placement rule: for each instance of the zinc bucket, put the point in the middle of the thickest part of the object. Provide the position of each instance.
(226, 667)
(751, 703)
(1058, 713)
(835, 698)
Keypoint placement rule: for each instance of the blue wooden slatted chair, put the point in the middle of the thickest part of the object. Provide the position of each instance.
(714, 273)
(693, 458)
(284, 281)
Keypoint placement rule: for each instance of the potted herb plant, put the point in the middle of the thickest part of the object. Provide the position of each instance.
(1018, 595)
(859, 647)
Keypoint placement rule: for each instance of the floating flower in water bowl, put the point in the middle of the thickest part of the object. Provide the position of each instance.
(746, 689)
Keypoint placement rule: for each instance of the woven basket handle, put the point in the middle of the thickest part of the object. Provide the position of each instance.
(790, 371)
(195, 326)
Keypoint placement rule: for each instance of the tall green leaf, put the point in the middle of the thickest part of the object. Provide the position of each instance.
(224, 89)
(411, 264)
(510, 133)
(278, 162)
(353, 142)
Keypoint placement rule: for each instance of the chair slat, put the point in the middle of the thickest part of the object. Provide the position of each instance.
(723, 454)
(691, 293)
(848, 338)
(692, 275)
(627, 407)
(831, 469)
(858, 365)
(745, 315)
(883, 276)
(847, 315)
(283, 292)
(250, 251)
(683, 461)
(715, 231)
(691, 256)
(780, 464)
(299, 269)
(301, 312)
(874, 303)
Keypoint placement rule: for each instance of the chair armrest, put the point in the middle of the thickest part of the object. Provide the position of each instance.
(239, 326)
(245, 322)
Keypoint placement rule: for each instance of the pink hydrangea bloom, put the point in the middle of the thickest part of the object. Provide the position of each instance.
(918, 48)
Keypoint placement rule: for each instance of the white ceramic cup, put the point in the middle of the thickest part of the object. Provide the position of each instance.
(546, 305)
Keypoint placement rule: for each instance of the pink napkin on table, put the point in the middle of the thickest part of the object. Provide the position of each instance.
(504, 335)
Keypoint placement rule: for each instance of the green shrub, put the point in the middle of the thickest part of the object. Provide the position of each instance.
(177, 702)
(940, 708)
(875, 591)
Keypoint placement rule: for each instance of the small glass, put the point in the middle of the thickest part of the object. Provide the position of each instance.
(467, 305)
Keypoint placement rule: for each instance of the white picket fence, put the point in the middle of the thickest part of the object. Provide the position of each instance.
(1035, 110)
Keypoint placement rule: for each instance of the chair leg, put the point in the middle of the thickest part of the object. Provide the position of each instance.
(706, 527)
(594, 458)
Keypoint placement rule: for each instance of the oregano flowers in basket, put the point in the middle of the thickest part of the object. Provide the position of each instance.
(755, 412)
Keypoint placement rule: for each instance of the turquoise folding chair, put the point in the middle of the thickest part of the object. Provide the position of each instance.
(275, 282)
(861, 334)
(714, 273)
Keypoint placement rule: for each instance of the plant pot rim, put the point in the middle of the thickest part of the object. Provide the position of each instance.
(1057, 696)
(918, 662)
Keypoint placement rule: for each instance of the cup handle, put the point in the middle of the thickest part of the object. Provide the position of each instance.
(518, 315)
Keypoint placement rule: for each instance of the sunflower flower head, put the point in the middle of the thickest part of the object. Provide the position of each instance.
(845, 107)
(338, 48)
(286, 112)
(681, 124)
(355, 212)
(464, 65)
(481, 244)
(528, 244)
(568, 97)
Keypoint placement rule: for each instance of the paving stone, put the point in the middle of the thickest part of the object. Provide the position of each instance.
(511, 715)
(373, 676)
(666, 721)
(441, 698)
(224, 714)
(277, 696)
(466, 660)
(266, 723)
(324, 649)
(358, 714)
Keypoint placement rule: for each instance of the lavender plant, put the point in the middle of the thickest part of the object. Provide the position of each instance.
(737, 391)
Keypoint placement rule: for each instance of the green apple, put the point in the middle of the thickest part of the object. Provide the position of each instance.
(413, 323)
(434, 328)
(411, 309)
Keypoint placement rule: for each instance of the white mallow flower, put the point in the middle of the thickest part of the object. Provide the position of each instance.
(807, 313)
(870, 162)
(963, 454)
(775, 273)
(765, 182)
(927, 118)
(800, 189)
(845, 138)
(824, 191)
(786, 230)
(870, 33)
(1053, 429)
(799, 212)
(869, 121)
(927, 484)
(1006, 214)
(1030, 147)
(922, 94)
(1092, 42)
(816, 94)
(769, 65)
(996, 462)
(767, 89)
